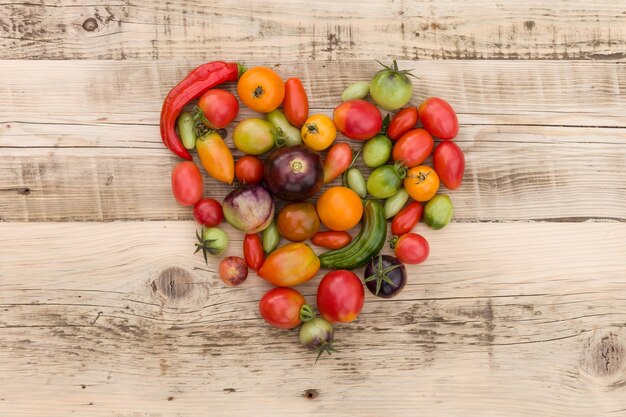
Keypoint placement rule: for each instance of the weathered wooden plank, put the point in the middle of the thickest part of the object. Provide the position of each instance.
(301, 30)
(121, 319)
(494, 92)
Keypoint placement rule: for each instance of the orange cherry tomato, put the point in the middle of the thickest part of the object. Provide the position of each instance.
(261, 89)
(298, 221)
(296, 104)
(331, 239)
(340, 208)
(290, 265)
(216, 157)
(421, 183)
(318, 132)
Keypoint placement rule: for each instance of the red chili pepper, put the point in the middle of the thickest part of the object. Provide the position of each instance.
(191, 87)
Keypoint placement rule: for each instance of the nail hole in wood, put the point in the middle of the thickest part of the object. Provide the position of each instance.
(90, 24)
(24, 191)
(311, 394)
(83, 386)
(170, 398)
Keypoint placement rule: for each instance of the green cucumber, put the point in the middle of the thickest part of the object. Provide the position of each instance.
(365, 246)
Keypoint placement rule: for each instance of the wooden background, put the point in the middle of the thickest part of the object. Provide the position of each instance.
(520, 310)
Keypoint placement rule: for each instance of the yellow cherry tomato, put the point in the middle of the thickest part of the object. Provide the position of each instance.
(318, 132)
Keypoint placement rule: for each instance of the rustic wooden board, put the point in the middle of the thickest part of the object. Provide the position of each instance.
(303, 30)
(122, 319)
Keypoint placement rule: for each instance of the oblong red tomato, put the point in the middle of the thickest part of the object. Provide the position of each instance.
(402, 122)
(412, 248)
(407, 218)
(331, 239)
(413, 147)
(340, 296)
(219, 107)
(280, 307)
(187, 183)
(358, 119)
(296, 103)
(253, 251)
(337, 161)
(449, 164)
(439, 118)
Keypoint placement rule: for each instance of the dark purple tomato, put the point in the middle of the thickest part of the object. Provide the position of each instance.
(385, 276)
(294, 173)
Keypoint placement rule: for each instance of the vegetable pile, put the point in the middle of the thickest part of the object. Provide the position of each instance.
(283, 166)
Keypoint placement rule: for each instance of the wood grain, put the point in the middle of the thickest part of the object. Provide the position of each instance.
(517, 325)
(302, 30)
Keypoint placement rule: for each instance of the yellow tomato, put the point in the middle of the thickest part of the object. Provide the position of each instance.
(318, 132)
(421, 182)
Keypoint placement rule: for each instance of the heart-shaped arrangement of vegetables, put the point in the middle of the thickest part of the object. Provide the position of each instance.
(283, 161)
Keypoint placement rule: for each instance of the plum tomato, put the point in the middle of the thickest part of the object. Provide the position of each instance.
(438, 118)
(331, 239)
(296, 103)
(340, 296)
(413, 147)
(187, 183)
(449, 163)
(402, 122)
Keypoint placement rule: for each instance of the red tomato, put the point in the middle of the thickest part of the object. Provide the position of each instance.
(407, 219)
(331, 239)
(280, 307)
(413, 147)
(208, 212)
(187, 183)
(358, 119)
(219, 108)
(449, 164)
(340, 296)
(249, 170)
(402, 122)
(337, 161)
(253, 251)
(412, 248)
(439, 118)
(296, 103)
(233, 270)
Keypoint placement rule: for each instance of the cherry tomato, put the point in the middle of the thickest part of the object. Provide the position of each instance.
(421, 183)
(261, 89)
(449, 163)
(290, 265)
(233, 270)
(298, 221)
(339, 208)
(439, 118)
(187, 183)
(407, 218)
(337, 161)
(412, 248)
(253, 251)
(280, 307)
(219, 107)
(402, 122)
(249, 170)
(358, 119)
(208, 212)
(318, 132)
(331, 239)
(340, 296)
(413, 147)
(296, 104)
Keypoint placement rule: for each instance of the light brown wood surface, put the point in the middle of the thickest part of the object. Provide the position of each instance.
(519, 311)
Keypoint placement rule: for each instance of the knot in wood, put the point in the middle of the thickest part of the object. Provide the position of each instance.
(311, 394)
(90, 24)
(606, 355)
(173, 283)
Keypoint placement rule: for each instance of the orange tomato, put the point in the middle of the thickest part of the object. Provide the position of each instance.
(421, 182)
(340, 208)
(298, 221)
(261, 89)
(216, 157)
(318, 132)
(290, 265)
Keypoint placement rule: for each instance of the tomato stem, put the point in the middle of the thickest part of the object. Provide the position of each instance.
(306, 313)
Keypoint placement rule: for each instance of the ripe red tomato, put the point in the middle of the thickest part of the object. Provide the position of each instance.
(412, 248)
(413, 147)
(358, 119)
(402, 122)
(340, 296)
(249, 170)
(439, 118)
(208, 212)
(407, 218)
(331, 239)
(337, 161)
(187, 183)
(280, 307)
(253, 251)
(449, 164)
(296, 102)
(219, 107)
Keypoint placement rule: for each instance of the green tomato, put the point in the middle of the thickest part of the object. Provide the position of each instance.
(270, 238)
(356, 91)
(438, 211)
(286, 134)
(377, 151)
(384, 181)
(211, 241)
(254, 136)
(354, 180)
(390, 88)
(187, 130)
(395, 203)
